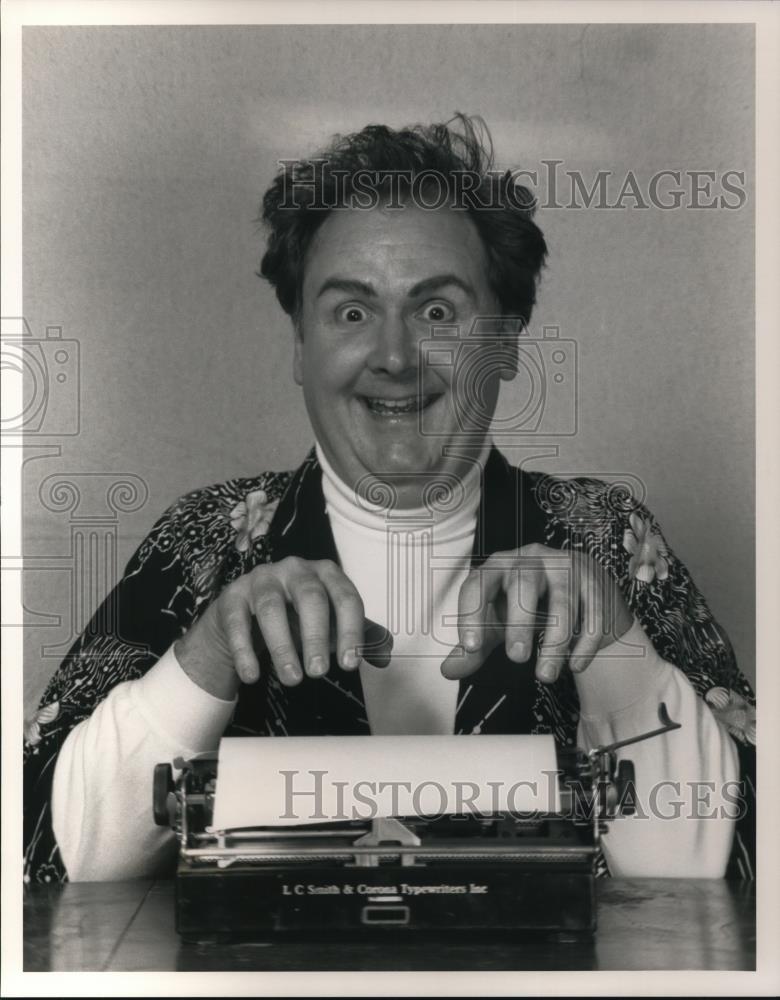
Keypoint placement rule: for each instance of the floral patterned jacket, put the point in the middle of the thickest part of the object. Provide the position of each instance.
(213, 535)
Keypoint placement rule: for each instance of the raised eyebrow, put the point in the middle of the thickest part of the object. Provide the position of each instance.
(350, 286)
(438, 281)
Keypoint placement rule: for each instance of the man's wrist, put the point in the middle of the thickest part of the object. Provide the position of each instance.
(209, 672)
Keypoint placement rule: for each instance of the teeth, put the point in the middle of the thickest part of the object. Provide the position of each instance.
(409, 405)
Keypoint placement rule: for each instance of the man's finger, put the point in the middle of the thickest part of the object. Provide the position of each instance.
(461, 662)
(270, 609)
(348, 608)
(458, 663)
(558, 629)
(311, 604)
(237, 628)
(350, 622)
(591, 622)
(480, 588)
(377, 644)
(524, 585)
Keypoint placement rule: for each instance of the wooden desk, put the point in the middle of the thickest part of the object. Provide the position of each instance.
(643, 924)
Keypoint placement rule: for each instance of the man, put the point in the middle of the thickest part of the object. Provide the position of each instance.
(398, 582)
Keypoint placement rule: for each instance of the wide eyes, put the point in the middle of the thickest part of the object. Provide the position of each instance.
(437, 312)
(352, 314)
(431, 312)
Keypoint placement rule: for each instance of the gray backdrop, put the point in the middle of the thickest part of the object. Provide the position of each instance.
(146, 152)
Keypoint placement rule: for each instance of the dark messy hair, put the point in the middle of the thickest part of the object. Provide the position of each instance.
(456, 157)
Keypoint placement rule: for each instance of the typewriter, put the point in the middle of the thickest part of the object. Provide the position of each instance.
(501, 871)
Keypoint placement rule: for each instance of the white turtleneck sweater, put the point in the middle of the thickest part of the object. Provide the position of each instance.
(408, 571)
(408, 566)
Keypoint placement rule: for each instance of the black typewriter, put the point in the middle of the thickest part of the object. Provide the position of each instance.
(497, 872)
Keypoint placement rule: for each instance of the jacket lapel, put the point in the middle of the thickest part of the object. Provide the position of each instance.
(501, 696)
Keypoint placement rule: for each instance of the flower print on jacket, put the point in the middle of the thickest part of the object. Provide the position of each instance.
(45, 715)
(736, 714)
(251, 518)
(647, 550)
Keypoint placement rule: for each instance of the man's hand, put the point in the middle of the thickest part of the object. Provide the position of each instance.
(583, 611)
(298, 611)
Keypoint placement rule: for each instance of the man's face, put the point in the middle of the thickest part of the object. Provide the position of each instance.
(375, 283)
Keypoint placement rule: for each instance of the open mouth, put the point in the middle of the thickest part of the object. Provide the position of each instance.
(398, 407)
